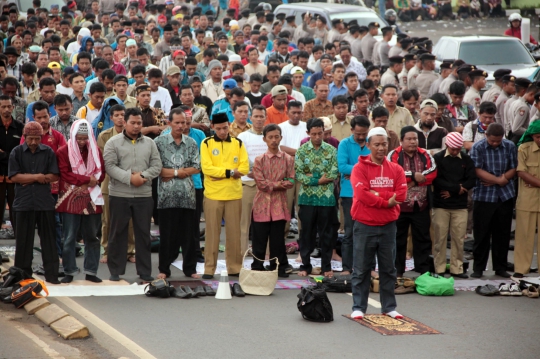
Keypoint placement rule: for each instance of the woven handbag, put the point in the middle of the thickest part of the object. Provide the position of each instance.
(258, 282)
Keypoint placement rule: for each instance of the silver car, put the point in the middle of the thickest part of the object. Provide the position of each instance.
(488, 53)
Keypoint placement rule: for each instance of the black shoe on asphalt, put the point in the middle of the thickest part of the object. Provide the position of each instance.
(190, 291)
(67, 279)
(93, 278)
(460, 275)
(503, 274)
(207, 276)
(477, 275)
(209, 291)
(146, 278)
(237, 291)
(199, 291)
(180, 293)
(114, 278)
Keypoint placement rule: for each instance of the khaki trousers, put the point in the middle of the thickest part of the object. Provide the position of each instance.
(526, 223)
(249, 189)
(214, 212)
(443, 220)
(292, 197)
(105, 223)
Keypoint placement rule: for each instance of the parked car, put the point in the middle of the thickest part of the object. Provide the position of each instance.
(24, 5)
(489, 53)
(331, 11)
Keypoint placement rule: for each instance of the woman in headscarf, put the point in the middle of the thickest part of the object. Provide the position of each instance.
(103, 120)
(87, 45)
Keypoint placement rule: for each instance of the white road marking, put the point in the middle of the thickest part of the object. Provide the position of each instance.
(40, 343)
(107, 329)
(371, 302)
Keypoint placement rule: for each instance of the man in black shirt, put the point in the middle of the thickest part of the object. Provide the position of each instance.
(200, 100)
(33, 166)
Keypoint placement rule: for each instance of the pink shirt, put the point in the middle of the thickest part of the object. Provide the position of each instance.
(118, 68)
(268, 169)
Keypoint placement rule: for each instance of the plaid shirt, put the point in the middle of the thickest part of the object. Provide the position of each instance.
(495, 160)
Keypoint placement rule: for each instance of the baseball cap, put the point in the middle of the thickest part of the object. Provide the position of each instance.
(229, 84)
(297, 70)
(173, 70)
(54, 65)
(279, 90)
(428, 103)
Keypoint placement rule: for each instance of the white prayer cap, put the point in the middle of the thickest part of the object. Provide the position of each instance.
(377, 131)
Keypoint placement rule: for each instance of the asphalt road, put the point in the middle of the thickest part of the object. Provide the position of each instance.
(271, 327)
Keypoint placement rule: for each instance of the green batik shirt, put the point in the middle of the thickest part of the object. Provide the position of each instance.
(310, 165)
(177, 193)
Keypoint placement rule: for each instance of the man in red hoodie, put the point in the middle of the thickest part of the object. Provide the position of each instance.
(379, 186)
(420, 171)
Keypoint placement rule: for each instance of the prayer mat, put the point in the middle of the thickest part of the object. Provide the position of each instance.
(281, 284)
(385, 325)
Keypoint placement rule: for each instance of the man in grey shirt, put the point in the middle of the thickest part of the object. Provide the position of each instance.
(368, 42)
(132, 161)
(384, 47)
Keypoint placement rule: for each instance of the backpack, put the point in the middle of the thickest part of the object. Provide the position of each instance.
(14, 276)
(314, 305)
(30, 289)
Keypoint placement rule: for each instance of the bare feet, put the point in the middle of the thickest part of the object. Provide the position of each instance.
(195, 275)
(408, 256)
(103, 259)
(298, 259)
(335, 256)
(302, 273)
(131, 259)
(161, 276)
(329, 274)
(345, 272)
(374, 274)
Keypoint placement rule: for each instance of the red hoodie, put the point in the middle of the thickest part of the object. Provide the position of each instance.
(386, 179)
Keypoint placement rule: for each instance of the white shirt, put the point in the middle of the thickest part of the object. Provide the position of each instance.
(468, 133)
(298, 96)
(292, 135)
(64, 90)
(73, 48)
(164, 97)
(255, 146)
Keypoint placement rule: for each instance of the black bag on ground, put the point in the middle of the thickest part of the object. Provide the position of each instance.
(338, 284)
(30, 289)
(14, 276)
(158, 288)
(314, 305)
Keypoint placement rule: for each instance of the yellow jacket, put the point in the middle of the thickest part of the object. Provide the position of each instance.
(218, 158)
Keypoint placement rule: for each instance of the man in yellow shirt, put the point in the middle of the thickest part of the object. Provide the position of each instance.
(224, 160)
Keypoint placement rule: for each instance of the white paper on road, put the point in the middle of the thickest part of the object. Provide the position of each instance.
(94, 290)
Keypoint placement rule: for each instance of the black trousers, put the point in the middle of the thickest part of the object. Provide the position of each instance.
(25, 232)
(199, 197)
(273, 232)
(155, 212)
(122, 210)
(492, 226)
(175, 232)
(7, 190)
(420, 223)
(313, 218)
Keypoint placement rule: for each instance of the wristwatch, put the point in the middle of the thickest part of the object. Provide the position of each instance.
(232, 173)
(175, 173)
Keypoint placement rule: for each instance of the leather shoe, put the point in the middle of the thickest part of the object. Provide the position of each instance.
(237, 290)
(207, 276)
(477, 274)
(114, 278)
(146, 278)
(460, 275)
(190, 291)
(199, 291)
(503, 274)
(209, 291)
(180, 293)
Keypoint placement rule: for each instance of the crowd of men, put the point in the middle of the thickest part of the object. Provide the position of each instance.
(114, 118)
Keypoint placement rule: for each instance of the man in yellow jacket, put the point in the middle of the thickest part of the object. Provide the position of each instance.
(224, 160)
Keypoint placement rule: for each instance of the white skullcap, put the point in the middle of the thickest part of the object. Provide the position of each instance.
(327, 123)
(235, 58)
(377, 131)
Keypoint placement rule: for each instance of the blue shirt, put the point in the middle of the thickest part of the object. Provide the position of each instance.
(223, 106)
(30, 114)
(198, 136)
(495, 160)
(336, 91)
(348, 152)
(89, 83)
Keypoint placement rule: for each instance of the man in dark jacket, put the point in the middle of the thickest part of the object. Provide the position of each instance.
(430, 134)
(420, 171)
(456, 176)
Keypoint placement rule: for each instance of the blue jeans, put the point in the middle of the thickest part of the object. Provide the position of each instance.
(382, 7)
(371, 241)
(89, 225)
(347, 243)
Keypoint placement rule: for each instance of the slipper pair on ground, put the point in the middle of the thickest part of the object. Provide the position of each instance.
(185, 291)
